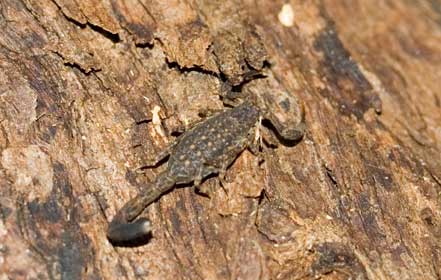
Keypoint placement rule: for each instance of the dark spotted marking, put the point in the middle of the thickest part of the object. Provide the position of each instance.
(208, 148)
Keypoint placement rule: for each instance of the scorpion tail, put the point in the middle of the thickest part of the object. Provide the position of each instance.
(124, 227)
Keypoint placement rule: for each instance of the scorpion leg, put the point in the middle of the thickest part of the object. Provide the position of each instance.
(205, 188)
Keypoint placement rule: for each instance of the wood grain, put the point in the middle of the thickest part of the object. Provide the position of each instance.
(357, 198)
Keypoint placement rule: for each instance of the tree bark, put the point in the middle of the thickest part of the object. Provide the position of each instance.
(92, 90)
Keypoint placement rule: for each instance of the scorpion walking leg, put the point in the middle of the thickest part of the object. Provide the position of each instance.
(124, 227)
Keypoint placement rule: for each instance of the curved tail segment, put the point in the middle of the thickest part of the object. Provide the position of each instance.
(124, 227)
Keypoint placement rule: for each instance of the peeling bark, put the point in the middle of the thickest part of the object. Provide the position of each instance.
(84, 83)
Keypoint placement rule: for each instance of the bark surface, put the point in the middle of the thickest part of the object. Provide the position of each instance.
(92, 90)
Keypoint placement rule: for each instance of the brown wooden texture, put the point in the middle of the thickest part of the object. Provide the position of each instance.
(357, 198)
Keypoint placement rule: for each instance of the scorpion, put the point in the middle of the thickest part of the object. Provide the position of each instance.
(209, 147)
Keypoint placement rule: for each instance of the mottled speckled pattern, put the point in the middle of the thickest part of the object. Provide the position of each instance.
(208, 148)
(211, 146)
